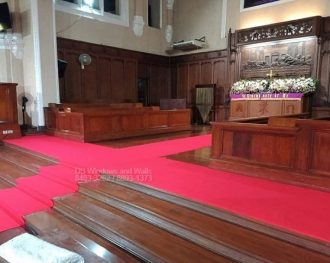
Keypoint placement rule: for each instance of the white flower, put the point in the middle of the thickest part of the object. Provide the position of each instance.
(287, 85)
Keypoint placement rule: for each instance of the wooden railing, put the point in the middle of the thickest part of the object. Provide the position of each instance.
(295, 145)
(104, 123)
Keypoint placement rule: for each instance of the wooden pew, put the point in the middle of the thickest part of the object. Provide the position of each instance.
(90, 124)
(295, 145)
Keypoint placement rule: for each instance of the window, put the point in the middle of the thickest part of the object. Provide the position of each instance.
(112, 11)
(251, 3)
(154, 13)
(247, 5)
(111, 6)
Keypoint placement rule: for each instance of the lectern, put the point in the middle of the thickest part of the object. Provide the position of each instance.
(9, 127)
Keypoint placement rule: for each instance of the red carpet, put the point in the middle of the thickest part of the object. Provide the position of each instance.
(296, 209)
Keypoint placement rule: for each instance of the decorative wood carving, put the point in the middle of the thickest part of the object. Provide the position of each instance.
(286, 30)
(284, 59)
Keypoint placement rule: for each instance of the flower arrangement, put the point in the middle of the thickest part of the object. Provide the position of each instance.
(287, 85)
(249, 86)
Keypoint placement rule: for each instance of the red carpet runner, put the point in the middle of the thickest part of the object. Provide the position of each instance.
(296, 209)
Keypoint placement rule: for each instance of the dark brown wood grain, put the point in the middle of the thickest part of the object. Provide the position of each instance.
(112, 76)
(8, 112)
(298, 145)
(111, 122)
(147, 242)
(181, 217)
(281, 234)
(16, 163)
(58, 230)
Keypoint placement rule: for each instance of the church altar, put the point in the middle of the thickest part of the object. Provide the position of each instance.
(268, 104)
(272, 97)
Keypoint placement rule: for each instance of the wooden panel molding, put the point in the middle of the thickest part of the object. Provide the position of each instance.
(112, 76)
(105, 122)
(294, 145)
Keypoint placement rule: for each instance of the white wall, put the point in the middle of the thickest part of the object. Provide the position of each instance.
(48, 52)
(29, 63)
(289, 10)
(93, 31)
(39, 68)
(11, 68)
(194, 19)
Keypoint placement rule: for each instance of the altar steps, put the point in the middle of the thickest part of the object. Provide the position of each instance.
(220, 232)
(146, 241)
(55, 228)
(24, 158)
(16, 163)
(119, 221)
(158, 227)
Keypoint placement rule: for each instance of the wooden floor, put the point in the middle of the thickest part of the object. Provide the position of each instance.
(127, 142)
(119, 221)
(203, 157)
(16, 163)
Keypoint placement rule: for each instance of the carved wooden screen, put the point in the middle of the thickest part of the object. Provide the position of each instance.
(264, 48)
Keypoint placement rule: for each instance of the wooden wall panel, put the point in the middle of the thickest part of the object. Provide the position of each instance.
(321, 151)
(219, 72)
(206, 72)
(89, 79)
(104, 78)
(194, 79)
(112, 75)
(182, 80)
(158, 83)
(323, 96)
(130, 77)
(220, 78)
(117, 80)
(191, 70)
(73, 85)
(60, 55)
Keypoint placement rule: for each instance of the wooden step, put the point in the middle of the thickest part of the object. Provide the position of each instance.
(11, 233)
(58, 230)
(24, 159)
(188, 224)
(146, 241)
(217, 226)
(10, 172)
(5, 182)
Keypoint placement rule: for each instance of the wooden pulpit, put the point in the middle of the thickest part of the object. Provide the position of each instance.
(9, 127)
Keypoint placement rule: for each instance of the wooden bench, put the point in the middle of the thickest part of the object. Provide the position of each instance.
(102, 122)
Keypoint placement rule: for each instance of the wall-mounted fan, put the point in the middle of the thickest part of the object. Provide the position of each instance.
(24, 100)
(84, 60)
